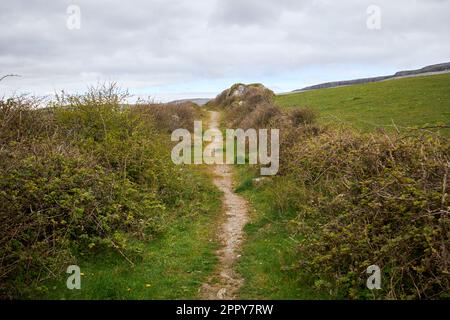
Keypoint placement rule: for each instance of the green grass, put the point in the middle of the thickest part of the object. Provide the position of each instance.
(409, 102)
(268, 254)
(172, 266)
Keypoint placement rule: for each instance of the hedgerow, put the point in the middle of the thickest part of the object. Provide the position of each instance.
(374, 200)
(81, 174)
(353, 200)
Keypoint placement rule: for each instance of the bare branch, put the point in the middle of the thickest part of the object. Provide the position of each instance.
(9, 75)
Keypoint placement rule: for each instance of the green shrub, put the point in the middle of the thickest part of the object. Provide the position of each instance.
(83, 174)
(302, 116)
(251, 94)
(22, 119)
(375, 200)
(169, 117)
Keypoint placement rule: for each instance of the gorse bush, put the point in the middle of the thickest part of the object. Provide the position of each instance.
(374, 200)
(260, 117)
(354, 200)
(21, 119)
(169, 117)
(85, 173)
(302, 116)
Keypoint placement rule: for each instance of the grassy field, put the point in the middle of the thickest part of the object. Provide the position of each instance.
(171, 267)
(409, 102)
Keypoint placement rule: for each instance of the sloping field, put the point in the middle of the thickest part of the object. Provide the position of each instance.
(410, 102)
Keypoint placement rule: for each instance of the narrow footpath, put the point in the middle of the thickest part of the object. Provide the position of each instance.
(225, 282)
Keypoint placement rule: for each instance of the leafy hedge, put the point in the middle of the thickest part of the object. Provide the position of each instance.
(354, 200)
(374, 200)
(82, 174)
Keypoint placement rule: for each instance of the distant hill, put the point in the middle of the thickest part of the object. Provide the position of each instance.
(199, 101)
(436, 68)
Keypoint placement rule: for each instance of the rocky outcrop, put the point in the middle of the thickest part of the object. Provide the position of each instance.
(239, 93)
(442, 67)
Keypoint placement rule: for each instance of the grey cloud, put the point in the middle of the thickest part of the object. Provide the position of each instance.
(156, 43)
(255, 12)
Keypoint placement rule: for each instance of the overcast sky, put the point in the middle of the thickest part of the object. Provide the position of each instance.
(171, 49)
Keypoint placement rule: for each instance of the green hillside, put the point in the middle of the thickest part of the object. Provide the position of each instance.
(408, 102)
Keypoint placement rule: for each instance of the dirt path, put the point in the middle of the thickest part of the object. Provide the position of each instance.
(226, 282)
